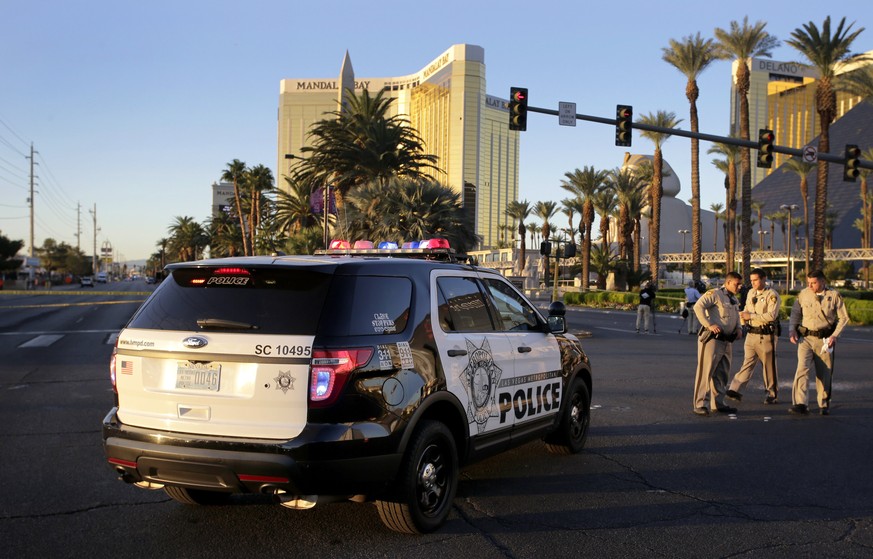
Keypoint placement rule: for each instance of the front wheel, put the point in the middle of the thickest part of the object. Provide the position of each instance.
(427, 483)
(570, 436)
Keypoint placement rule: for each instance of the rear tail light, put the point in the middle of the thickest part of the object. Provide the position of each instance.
(329, 371)
(112, 370)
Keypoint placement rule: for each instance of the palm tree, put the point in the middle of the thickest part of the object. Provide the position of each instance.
(605, 203)
(235, 173)
(360, 143)
(260, 181)
(636, 208)
(742, 43)
(603, 260)
(865, 199)
(519, 211)
(546, 211)
(716, 209)
(858, 82)
(627, 187)
(293, 209)
(187, 239)
(728, 166)
(825, 52)
(691, 57)
(661, 119)
(584, 184)
(225, 237)
(405, 209)
(801, 168)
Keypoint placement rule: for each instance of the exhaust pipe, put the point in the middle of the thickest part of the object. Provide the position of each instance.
(296, 502)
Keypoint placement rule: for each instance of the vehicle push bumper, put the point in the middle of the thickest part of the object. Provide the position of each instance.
(323, 460)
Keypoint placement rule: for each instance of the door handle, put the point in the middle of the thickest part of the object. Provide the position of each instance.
(524, 349)
(457, 352)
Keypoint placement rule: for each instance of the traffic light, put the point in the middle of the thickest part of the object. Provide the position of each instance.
(624, 117)
(850, 169)
(518, 108)
(545, 248)
(765, 148)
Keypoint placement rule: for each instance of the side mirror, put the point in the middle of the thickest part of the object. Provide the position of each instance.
(557, 320)
(557, 324)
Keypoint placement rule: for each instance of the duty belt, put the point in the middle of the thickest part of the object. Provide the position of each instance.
(758, 330)
(815, 333)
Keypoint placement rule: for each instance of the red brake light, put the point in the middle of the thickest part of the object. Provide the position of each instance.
(329, 371)
(228, 271)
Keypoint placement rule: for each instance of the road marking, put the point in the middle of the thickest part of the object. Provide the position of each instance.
(42, 341)
(137, 301)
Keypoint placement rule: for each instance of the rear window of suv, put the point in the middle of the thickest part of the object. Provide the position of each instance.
(269, 300)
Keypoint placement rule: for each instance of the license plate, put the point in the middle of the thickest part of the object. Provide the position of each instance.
(198, 376)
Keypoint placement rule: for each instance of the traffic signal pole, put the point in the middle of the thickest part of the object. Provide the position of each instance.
(830, 158)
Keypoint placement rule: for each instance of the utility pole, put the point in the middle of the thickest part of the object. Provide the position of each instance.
(32, 180)
(94, 261)
(78, 226)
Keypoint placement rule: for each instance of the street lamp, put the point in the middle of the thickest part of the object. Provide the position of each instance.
(683, 232)
(761, 235)
(789, 273)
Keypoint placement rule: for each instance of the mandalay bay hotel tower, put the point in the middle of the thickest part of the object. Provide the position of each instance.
(446, 102)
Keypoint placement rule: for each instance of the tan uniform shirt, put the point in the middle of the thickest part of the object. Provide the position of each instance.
(763, 306)
(811, 313)
(717, 306)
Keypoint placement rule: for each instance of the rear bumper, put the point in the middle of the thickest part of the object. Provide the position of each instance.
(323, 460)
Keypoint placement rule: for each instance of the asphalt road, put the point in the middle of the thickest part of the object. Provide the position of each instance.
(654, 481)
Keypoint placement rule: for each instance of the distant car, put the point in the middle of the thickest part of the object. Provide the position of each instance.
(102, 277)
(86, 281)
(150, 279)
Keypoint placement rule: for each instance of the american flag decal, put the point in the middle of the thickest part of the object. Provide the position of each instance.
(127, 367)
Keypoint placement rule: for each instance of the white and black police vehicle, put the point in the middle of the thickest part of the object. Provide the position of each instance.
(364, 374)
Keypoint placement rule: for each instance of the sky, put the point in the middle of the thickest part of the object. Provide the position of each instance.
(136, 108)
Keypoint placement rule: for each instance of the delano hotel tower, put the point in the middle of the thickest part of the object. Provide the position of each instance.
(467, 129)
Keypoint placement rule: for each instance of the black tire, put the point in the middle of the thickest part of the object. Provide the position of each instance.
(196, 496)
(571, 434)
(427, 483)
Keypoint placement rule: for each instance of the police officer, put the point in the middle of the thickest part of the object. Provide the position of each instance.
(817, 319)
(692, 295)
(761, 316)
(719, 314)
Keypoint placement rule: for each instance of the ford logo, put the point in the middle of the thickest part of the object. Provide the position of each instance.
(194, 342)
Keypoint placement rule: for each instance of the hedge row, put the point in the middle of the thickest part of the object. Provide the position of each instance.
(860, 311)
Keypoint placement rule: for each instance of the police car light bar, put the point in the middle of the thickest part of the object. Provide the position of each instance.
(435, 248)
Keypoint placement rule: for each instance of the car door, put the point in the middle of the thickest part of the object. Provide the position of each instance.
(477, 358)
(536, 387)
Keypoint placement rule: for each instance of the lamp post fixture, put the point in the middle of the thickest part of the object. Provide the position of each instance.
(761, 235)
(789, 272)
(683, 232)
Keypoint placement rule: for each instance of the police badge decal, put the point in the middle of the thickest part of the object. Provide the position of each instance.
(480, 379)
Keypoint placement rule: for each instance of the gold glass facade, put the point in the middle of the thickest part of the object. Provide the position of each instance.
(447, 104)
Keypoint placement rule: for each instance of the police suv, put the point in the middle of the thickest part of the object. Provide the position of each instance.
(363, 374)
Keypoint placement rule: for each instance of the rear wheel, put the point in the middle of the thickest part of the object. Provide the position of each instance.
(571, 434)
(427, 483)
(196, 496)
